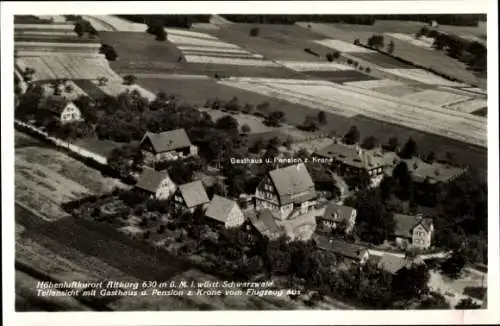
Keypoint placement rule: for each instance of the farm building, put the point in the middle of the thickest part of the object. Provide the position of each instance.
(156, 184)
(265, 224)
(393, 264)
(288, 192)
(167, 146)
(190, 196)
(225, 212)
(350, 160)
(59, 108)
(342, 249)
(337, 217)
(414, 231)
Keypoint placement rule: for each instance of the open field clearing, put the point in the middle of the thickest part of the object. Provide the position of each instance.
(45, 33)
(436, 97)
(61, 39)
(479, 31)
(200, 42)
(274, 41)
(222, 55)
(456, 287)
(347, 35)
(26, 218)
(343, 46)
(422, 117)
(470, 106)
(371, 84)
(57, 46)
(64, 167)
(44, 27)
(60, 66)
(422, 76)
(381, 60)
(314, 66)
(229, 61)
(398, 91)
(380, 26)
(90, 88)
(243, 71)
(186, 48)
(99, 241)
(54, 18)
(341, 76)
(116, 88)
(423, 41)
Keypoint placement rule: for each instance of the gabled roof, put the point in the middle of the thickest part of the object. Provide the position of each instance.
(264, 222)
(293, 184)
(406, 223)
(194, 194)
(220, 208)
(55, 104)
(353, 156)
(168, 140)
(337, 213)
(340, 247)
(150, 179)
(393, 264)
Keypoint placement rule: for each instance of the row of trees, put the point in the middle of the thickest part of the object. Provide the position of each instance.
(83, 26)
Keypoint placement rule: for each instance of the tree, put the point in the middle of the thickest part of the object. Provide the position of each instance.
(466, 304)
(227, 123)
(247, 108)
(233, 104)
(102, 81)
(357, 42)
(309, 124)
(79, 28)
(434, 301)
(422, 32)
(409, 149)
(411, 282)
(161, 35)
(322, 117)
(392, 144)
(336, 54)
(245, 129)
(109, 52)
(254, 32)
(329, 57)
(129, 79)
(401, 174)
(68, 88)
(453, 266)
(430, 157)
(390, 47)
(376, 41)
(352, 136)
(369, 142)
(275, 119)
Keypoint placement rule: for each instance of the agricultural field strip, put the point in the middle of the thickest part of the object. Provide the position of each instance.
(313, 66)
(365, 105)
(44, 33)
(170, 76)
(343, 46)
(421, 76)
(370, 84)
(44, 27)
(58, 45)
(230, 61)
(190, 41)
(436, 97)
(76, 92)
(116, 88)
(469, 106)
(55, 18)
(42, 70)
(423, 41)
(212, 49)
(224, 55)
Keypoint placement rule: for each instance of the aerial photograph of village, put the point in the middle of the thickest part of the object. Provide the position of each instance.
(175, 162)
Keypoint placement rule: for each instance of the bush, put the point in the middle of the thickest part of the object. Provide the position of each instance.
(349, 61)
(254, 32)
(109, 52)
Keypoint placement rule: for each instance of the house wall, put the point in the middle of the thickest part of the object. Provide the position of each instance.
(165, 189)
(235, 218)
(70, 114)
(421, 237)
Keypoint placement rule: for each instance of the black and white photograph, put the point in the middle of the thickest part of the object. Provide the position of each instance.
(180, 161)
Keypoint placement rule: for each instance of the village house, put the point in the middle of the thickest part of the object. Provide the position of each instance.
(337, 217)
(287, 192)
(167, 146)
(190, 196)
(156, 184)
(352, 160)
(344, 250)
(393, 264)
(265, 224)
(413, 231)
(225, 212)
(60, 109)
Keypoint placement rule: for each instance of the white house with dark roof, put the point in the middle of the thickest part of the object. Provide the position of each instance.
(413, 231)
(157, 184)
(167, 146)
(335, 217)
(190, 196)
(60, 109)
(342, 249)
(287, 192)
(225, 212)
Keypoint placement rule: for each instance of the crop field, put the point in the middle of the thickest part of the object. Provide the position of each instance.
(436, 97)
(71, 95)
(49, 37)
(314, 66)
(338, 99)
(342, 46)
(374, 84)
(275, 41)
(341, 76)
(422, 76)
(100, 146)
(423, 41)
(90, 88)
(116, 88)
(71, 236)
(398, 91)
(20, 26)
(381, 60)
(74, 66)
(470, 106)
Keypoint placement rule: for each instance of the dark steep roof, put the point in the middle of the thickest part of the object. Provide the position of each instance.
(220, 208)
(168, 140)
(150, 179)
(406, 223)
(352, 156)
(194, 194)
(293, 184)
(339, 247)
(337, 213)
(264, 222)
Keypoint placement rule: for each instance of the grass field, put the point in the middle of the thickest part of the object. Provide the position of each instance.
(341, 76)
(90, 89)
(382, 60)
(54, 38)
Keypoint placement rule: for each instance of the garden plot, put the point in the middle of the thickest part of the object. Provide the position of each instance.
(339, 99)
(342, 46)
(371, 84)
(422, 76)
(69, 90)
(115, 88)
(423, 41)
(436, 97)
(470, 106)
(314, 66)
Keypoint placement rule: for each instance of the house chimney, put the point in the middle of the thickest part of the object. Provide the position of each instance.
(419, 216)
